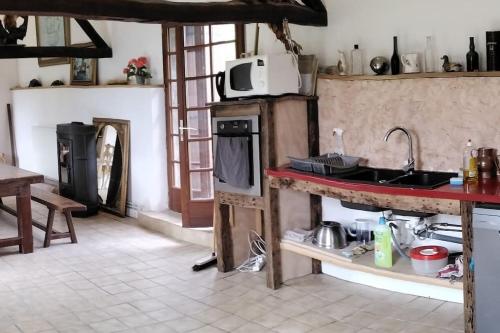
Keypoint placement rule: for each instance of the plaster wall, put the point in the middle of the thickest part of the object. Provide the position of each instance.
(38, 111)
(128, 40)
(8, 79)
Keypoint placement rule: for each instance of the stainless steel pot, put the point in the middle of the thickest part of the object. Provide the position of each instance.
(330, 235)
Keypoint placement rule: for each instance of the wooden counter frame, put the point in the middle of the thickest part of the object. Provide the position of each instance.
(265, 108)
(431, 205)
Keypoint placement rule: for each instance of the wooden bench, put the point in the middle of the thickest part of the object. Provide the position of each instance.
(53, 202)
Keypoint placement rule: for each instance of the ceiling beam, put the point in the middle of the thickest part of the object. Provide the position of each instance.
(17, 52)
(162, 11)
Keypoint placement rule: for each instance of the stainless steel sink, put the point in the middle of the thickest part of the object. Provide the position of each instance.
(398, 178)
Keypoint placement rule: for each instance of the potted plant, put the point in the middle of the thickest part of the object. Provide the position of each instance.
(138, 68)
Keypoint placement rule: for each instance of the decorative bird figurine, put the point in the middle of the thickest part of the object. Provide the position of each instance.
(451, 66)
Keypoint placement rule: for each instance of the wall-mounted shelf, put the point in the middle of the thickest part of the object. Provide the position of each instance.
(401, 270)
(436, 75)
(94, 87)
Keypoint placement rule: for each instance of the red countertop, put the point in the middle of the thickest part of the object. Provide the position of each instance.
(487, 191)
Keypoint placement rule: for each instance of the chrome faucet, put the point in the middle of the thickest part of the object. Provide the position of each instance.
(411, 160)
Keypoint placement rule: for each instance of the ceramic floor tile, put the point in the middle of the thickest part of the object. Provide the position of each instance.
(292, 326)
(230, 324)
(121, 278)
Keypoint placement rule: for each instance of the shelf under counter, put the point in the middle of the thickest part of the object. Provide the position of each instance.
(401, 270)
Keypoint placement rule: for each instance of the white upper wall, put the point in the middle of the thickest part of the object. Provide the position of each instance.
(371, 24)
(128, 40)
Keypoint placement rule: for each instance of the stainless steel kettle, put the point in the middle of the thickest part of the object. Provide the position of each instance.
(330, 235)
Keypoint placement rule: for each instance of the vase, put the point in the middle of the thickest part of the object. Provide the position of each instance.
(140, 80)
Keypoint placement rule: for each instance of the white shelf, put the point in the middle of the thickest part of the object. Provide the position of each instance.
(401, 270)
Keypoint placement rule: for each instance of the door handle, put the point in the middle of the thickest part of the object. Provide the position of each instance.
(182, 129)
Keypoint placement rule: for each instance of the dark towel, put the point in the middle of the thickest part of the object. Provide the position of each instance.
(232, 161)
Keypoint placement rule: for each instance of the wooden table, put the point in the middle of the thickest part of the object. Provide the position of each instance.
(16, 182)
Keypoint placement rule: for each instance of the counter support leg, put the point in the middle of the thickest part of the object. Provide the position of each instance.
(223, 237)
(316, 217)
(272, 232)
(466, 213)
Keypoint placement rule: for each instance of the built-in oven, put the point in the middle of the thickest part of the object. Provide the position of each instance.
(237, 164)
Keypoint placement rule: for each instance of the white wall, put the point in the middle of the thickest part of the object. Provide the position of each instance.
(128, 40)
(38, 111)
(373, 23)
(8, 79)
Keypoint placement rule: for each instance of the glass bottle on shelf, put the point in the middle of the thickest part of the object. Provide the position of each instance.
(429, 55)
(395, 61)
(356, 61)
(472, 57)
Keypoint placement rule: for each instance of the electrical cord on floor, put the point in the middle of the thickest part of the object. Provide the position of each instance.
(257, 257)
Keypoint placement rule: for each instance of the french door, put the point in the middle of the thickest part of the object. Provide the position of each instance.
(193, 55)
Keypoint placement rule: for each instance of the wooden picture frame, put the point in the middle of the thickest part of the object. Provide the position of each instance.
(83, 72)
(52, 31)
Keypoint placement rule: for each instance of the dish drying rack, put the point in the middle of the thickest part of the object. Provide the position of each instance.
(327, 164)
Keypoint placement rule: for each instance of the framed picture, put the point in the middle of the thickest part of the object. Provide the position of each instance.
(52, 31)
(83, 72)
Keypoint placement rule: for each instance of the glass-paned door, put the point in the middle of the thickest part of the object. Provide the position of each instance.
(193, 56)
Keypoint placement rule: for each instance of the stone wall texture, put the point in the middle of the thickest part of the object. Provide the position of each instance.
(441, 113)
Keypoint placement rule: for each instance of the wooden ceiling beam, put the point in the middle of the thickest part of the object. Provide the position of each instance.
(17, 52)
(162, 11)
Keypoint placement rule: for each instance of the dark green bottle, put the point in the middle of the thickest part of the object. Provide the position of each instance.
(395, 61)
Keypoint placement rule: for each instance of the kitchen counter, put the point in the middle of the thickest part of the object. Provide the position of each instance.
(447, 199)
(487, 191)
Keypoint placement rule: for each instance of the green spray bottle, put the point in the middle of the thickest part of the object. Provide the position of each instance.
(383, 246)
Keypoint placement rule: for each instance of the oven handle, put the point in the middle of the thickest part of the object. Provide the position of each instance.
(235, 135)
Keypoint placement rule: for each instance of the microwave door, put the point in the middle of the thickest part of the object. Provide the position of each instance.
(240, 77)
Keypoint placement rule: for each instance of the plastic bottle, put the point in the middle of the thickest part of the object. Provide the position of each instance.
(357, 61)
(383, 246)
(470, 162)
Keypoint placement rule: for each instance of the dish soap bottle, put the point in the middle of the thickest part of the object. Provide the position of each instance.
(470, 163)
(357, 61)
(383, 246)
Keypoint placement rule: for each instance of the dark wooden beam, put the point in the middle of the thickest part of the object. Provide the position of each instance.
(92, 34)
(162, 11)
(12, 52)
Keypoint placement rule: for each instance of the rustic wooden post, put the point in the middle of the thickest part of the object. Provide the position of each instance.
(468, 279)
(313, 140)
(223, 239)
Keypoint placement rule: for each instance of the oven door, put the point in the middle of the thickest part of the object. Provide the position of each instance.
(254, 149)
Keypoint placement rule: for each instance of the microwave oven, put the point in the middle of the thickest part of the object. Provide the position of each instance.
(272, 75)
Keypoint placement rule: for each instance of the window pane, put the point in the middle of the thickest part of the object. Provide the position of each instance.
(198, 93)
(196, 35)
(173, 95)
(197, 62)
(202, 122)
(200, 155)
(222, 53)
(202, 186)
(177, 175)
(223, 32)
(171, 39)
(176, 149)
(174, 121)
(172, 67)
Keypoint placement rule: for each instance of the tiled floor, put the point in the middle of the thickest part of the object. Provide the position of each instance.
(121, 278)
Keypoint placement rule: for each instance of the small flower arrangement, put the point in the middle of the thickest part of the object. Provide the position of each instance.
(138, 68)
